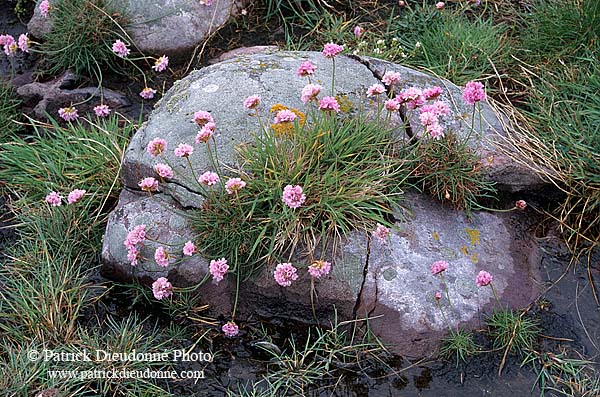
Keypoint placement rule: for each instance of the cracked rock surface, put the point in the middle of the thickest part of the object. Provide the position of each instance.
(368, 278)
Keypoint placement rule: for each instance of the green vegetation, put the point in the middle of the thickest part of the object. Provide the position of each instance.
(9, 112)
(459, 345)
(512, 331)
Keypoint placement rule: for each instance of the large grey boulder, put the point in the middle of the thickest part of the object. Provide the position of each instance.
(171, 27)
(368, 278)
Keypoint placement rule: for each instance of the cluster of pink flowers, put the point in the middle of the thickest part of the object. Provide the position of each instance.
(293, 196)
(120, 49)
(331, 50)
(102, 110)
(521, 204)
(147, 93)
(24, 42)
(189, 248)
(284, 116)
(45, 8)
(75, 196)
(55, 199)
(134, 237)
(218, 269)
(440, 5)
(183, 150)
(413, 97)
(391, 78)
(438, 267)
(68, 113)
(483, 278)
(358, 31)
(163, 170)
(234, 185)
(310, 92)
(206, 132)
(381, 232)
(473, 92)
(392, 105)
(209, 178)
(161, 63)
(162, 288)
(284, 274)
(375, 89)
(161, 256)
(329, 104)
(252, 102)
(432, 92)
(156, 146)
(230, 329)
(148, 184)
(306, 69)
(429, 117)
(319, 268)
(9, 44)
(202, 117)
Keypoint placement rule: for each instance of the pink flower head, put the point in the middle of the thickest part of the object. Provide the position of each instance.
(10, 46)
(329, 104)
(305, 69)
(68, 113)
(391, 78)
(310, 92)
(521, 204)
(441, 108)
(331, 50)
(134, 237)
(284, 116)
(293, 197)
(284, 274)
(161, 256)
(54, 199)
(413, 97)
(148, 184)
(6, 39)
(202, 117)
(45, 8)
(120, 49)
(440, 5)
(148, 93)
(161, 63)
(438, 296)
(483, 278)
(218, 269)
(163, 170)
(75, 196)
(435, 130)
(252, 102)
(156, 146)
(358, 31)
(162, 288)
(473, 92)
(428, 118)
(432, 93)
(206, 132)
(392, 105)
(381, 232)
(319, 268)
(102, 110)
(375, 89)
(401, 3)
(189, 249)
(438, 267)
(183, 150)
(234, 184)
(208, 178)
(24, 43)
(230, 329)
(133, 255)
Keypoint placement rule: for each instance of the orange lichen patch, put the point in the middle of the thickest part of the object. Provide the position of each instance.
(464, 251)
(474, 235)
(346, 104)
(435, 236)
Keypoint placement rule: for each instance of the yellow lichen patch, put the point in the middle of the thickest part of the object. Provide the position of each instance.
(346, 104)
(474, 258)
(464, 251)
(435, 236)
(474, 235)
(286, 129)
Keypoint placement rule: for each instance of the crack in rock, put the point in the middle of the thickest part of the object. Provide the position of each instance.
(364, 280)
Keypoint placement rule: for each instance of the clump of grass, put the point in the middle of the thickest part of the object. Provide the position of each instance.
(82, 35)
(459, 345)
(9, 112)
(512, 332)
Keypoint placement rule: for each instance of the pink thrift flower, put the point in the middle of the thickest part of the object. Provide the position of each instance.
(161, 256)
(438, 267)
(473, 92)
(189, 249)
(401, 3)
(310, 92)
(230, 329)
(148, 184)
(102, 110)
(521, 204)
(75, 196)
(375, 89)
(183, 150)
(381, 232)
(206, 132)
(163, 170)
(391, 78)
(284, 116)
(218, 269)
(284, 274)
(161, 63)
(329, 104)
(133, 255)
(306, 69)
(45, 8)
(392, 105)
(162, 288)
(483, 278)
(202, 117)
(438, 296)
(148, 93)
(24, 43)
(440, 5)
(6, 39)
(413, 97)
(435, 131)
(208, 178)
(120, 49)
(68, 113)
(134, 237)
(432, 93)
(54, 199)
(252, 102)
(441, 108)
(358, 31)
(428, 118)
(319, 268)
(292, 196)
(331, 50)
(234, 184)
(156, 146)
